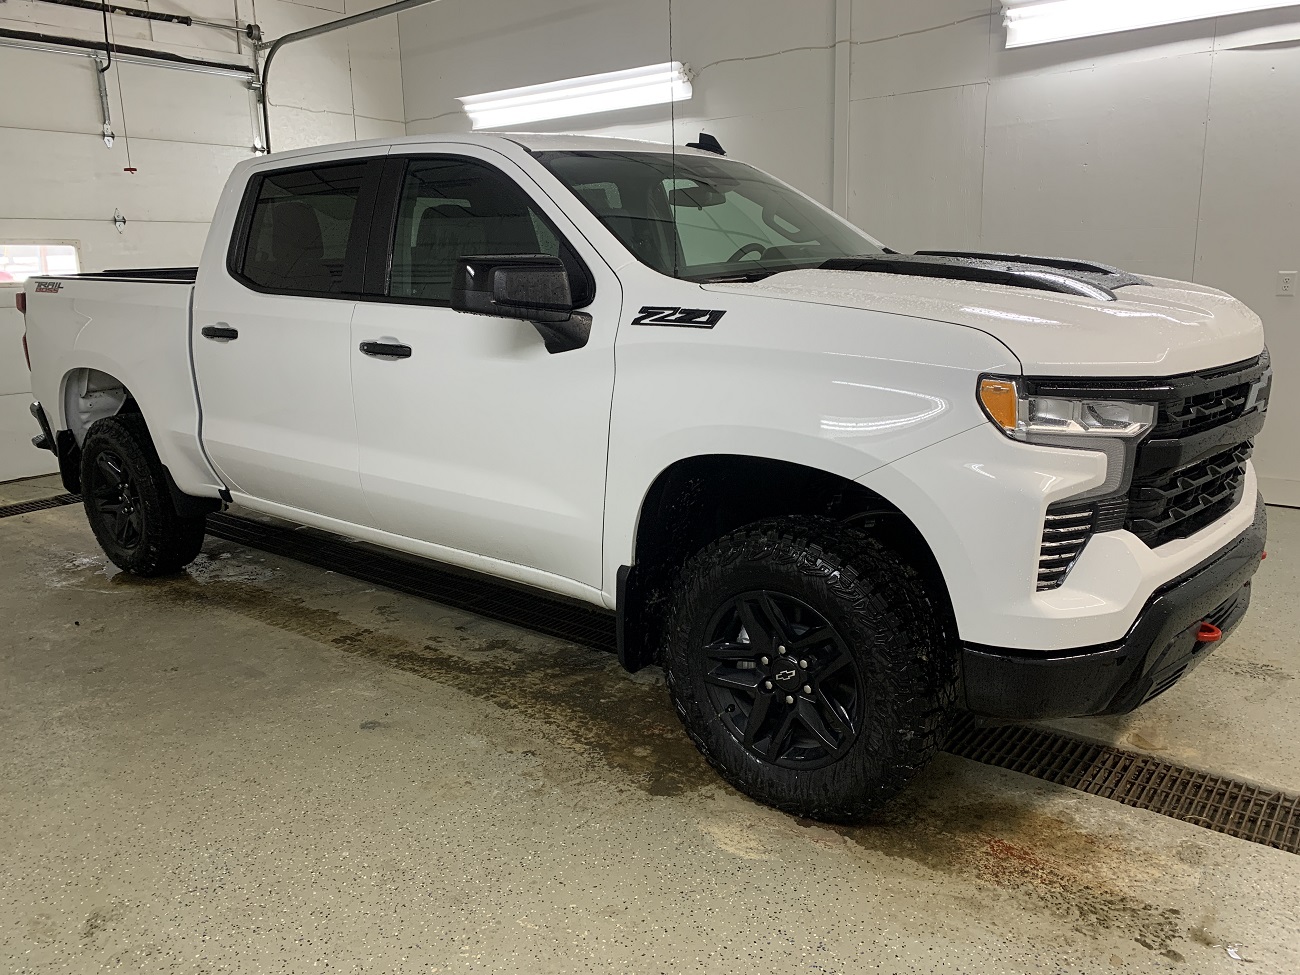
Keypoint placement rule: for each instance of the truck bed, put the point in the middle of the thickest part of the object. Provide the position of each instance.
(98, 338)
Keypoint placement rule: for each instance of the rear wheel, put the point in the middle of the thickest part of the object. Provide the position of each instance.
(810, 665)
(124, 490)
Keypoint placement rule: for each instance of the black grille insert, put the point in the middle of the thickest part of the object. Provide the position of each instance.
(1201, 411)
(1180, 504)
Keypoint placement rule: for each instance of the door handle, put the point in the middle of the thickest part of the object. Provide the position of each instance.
(386, 350)
(220, 331)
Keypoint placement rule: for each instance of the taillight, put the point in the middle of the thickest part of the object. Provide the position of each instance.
(20, 302)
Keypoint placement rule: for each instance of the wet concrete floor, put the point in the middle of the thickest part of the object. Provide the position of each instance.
(259, 766)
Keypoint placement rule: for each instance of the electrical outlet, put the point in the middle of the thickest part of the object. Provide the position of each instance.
(1286, 283)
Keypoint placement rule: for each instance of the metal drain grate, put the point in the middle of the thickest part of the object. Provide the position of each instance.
(500, 601)
(38, 504)
(1224, 805)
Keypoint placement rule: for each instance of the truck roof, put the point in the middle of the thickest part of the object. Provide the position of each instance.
(539, 142)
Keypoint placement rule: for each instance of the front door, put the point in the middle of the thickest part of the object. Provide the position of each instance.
(272, 340)
(480, 441)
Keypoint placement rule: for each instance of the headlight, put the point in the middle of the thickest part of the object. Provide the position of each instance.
(1061, 422)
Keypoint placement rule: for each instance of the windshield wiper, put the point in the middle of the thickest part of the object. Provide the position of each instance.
(756, 275)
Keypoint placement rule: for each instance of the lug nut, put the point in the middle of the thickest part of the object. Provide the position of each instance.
(789, 699)
(767, 685)
(764, 661)
(780, 650)
(807, 689)
(803, 665)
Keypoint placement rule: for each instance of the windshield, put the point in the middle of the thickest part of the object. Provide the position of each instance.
(705, 219)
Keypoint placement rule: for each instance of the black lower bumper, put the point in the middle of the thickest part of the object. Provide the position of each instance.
(1160, 648)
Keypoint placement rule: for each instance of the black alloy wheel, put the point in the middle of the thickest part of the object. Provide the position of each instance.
(814, 667)
(116, 500)
(783, 680)
(129, 503)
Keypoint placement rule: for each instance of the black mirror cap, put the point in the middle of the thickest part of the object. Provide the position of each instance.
(531, 287)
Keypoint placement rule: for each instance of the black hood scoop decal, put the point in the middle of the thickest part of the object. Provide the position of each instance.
(1085, 280)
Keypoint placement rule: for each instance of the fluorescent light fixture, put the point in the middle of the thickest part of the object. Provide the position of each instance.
(1043, 21)
(654, 84)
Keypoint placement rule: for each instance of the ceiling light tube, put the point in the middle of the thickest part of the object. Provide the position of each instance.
(1044, 21)
(654, 84)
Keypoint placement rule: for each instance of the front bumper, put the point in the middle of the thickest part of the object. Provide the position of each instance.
(1158, 650)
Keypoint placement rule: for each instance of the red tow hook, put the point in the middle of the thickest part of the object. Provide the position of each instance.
(1208, 633)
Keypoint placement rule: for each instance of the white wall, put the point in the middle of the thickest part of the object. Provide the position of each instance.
(186, 130)
(1168, 151)
(763, 69)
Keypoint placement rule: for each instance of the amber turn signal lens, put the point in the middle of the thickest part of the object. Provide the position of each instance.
(1001, 401)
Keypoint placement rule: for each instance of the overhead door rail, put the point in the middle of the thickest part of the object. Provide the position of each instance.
(273, 47)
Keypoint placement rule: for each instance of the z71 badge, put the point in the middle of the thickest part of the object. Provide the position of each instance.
(46, 287)
(682, 317)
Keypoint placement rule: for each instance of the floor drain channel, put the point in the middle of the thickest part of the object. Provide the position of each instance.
(38, 504)
(1225, 805)
(1263, 816)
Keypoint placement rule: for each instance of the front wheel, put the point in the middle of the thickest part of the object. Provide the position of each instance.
(810, 665)
(128, 504)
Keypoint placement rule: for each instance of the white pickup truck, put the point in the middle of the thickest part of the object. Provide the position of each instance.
(840, 493)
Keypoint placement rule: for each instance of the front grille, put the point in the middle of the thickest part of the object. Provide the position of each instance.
(1180, 504)
(1189, 471)
(1201, 411)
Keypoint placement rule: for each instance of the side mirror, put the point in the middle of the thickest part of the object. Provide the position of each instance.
(534, 288)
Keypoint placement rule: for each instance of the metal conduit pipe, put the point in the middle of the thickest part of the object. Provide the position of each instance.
(114, 8)
(76, 46)
(302, 35)
(184, 20)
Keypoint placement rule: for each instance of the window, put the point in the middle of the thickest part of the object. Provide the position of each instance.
(705, 219)
(300, 228)
(452, 208)
(20, 260)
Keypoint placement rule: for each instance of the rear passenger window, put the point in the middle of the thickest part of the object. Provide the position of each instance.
(452, 208)
(300, 227)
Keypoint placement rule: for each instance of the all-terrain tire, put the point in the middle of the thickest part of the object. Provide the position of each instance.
(886, 624)
(127, 501)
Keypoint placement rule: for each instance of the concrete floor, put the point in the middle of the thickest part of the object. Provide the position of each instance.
(263, 767)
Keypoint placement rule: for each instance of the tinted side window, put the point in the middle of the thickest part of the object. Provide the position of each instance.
(454, 208)
(300, 227)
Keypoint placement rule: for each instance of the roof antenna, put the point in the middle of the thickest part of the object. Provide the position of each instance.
(707, 143)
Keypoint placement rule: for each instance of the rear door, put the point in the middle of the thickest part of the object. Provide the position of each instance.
(272, 337)
(480, 441)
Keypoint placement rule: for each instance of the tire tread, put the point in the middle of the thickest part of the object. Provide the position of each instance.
(870, 581)
(169, 541)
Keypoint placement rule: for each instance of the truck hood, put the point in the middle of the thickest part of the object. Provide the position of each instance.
(1157, 327)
